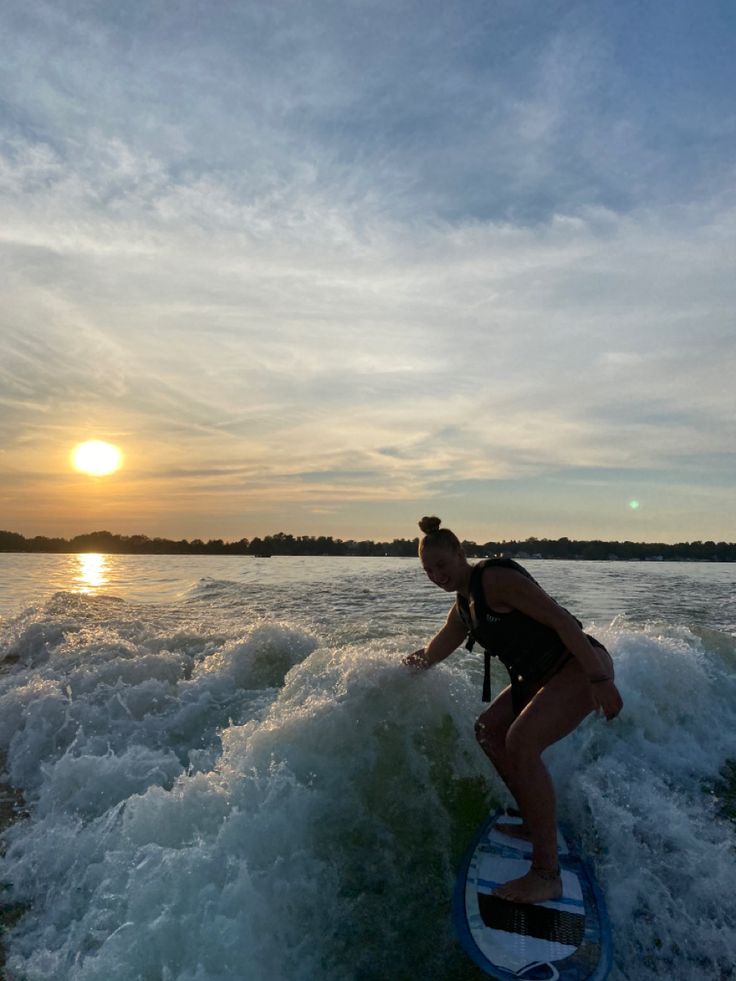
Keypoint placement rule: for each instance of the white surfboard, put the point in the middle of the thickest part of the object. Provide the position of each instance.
(567, 939)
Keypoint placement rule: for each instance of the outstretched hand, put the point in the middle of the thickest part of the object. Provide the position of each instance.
(607, 698)
(416, 659)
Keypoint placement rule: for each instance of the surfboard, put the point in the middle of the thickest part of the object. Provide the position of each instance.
(568, 939)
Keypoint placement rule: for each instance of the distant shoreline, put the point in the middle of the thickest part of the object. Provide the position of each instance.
(107, 543)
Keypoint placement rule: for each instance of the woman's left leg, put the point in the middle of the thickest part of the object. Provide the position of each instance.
(553, 712)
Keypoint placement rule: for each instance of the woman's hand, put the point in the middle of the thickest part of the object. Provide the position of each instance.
(607, 697)
(416, 660)
(449, 638)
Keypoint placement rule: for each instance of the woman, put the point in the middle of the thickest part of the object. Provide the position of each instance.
(558, 676)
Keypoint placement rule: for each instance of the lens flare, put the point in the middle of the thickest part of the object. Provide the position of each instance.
(634, 505)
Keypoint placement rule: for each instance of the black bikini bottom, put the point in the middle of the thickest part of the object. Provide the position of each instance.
(523, 689)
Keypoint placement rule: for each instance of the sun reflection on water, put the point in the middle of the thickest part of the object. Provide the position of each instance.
(92, 572)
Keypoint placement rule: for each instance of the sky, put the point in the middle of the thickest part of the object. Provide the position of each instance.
(323, 267)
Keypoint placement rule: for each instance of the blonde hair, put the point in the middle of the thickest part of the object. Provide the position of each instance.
(436, 537)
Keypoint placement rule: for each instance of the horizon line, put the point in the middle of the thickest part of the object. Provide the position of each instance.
(347, 541)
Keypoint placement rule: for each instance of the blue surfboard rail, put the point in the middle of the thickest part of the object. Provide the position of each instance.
(592, 960)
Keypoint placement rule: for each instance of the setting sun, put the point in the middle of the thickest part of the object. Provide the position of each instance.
(97, 458)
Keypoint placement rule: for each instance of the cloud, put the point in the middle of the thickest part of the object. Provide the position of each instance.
(275, 248)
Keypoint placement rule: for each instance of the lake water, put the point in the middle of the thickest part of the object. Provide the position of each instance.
(230, 775)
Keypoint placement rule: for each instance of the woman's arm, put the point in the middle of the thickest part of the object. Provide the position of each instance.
(444, 642)
(507, 588)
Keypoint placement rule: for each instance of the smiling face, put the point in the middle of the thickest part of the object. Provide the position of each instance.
(446, 567)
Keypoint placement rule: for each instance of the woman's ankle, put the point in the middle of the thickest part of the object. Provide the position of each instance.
(547, 874)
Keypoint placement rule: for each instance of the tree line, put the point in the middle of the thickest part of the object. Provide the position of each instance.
(285, 544)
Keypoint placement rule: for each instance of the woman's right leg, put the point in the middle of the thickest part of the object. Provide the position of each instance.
(490, 731)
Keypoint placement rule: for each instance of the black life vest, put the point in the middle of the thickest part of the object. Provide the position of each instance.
(528, 649)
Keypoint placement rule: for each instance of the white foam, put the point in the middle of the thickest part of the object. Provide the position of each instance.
(636, 790)
(219, 800)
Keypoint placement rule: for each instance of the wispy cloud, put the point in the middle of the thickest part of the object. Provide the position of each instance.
(328, 255)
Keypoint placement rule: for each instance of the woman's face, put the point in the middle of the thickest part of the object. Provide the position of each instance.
(445, 567)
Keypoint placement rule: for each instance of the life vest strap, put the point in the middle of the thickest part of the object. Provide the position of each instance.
(486, 676)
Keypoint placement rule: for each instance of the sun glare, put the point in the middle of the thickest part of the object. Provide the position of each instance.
(92, 571)
(97, 458)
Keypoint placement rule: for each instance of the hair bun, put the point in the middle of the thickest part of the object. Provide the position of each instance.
(430, 525)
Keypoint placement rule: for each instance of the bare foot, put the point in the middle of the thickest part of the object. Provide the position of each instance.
(537, 886)
(514, 830)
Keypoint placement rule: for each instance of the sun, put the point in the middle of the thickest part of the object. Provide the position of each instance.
(97, 458)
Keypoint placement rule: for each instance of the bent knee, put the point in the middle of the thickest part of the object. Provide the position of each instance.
(491, 737)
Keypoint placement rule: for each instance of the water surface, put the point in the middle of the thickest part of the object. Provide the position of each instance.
(230, 774)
